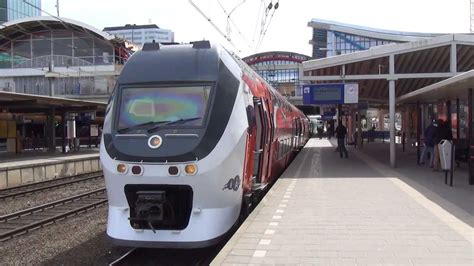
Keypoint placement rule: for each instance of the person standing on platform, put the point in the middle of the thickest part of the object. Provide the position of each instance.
(341, 132)
(329, 129)
(430, 133)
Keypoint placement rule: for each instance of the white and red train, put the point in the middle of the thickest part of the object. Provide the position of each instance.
(191, 135)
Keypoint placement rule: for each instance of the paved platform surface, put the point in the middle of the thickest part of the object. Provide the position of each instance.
(38, 158)
(358, 211)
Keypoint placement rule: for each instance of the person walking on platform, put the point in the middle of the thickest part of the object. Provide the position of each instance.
(430, 133)
(341, 132)
(329, 129)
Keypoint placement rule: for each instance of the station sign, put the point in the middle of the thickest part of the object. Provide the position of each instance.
(332, 93)
(94, 130)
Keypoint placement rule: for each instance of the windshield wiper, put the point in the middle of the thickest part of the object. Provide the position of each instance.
(179, 121)
(123, 130)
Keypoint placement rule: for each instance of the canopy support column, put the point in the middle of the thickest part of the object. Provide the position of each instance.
(64, 132)
(391, 108)
(471, 136)
(51, 132)
(391, 87)
(418, 132)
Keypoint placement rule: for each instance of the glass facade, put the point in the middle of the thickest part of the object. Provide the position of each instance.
(3, 11)
(60, 48)
(16, 9)
(331, 43)
(47, 50)
(280, 69)
(279, 75)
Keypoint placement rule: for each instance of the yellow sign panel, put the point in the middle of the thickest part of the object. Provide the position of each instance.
(3, 129)
(11, 129)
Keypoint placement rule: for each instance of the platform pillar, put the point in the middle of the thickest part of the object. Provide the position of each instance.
(64, 131)
(391, 85)
(391, 108)
(471, 137)
(418, 132)
(51, 132)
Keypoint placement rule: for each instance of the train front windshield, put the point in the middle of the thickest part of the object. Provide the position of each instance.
(166, 105)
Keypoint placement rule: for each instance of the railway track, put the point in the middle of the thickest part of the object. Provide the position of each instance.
(147, 256)
(46, 185)
(24, 221)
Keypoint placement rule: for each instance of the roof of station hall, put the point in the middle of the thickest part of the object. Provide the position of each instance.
(16, 28)
(370, 32)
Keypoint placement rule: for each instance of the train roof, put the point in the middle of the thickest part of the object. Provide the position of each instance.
(198, 61)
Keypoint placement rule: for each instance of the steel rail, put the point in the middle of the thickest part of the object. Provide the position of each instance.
(48, 184)
(123, 257)
(33, 218)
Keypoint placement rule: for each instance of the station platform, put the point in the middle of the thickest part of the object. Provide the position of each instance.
(18, 169)
(325, 210)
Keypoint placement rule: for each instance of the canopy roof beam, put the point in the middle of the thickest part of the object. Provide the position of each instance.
(385, 76)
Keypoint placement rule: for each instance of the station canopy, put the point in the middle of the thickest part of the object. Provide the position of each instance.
(413, 65)
(28, 103)
(448, 89)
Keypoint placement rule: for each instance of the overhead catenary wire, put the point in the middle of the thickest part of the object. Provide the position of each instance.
(229, 19)
(260, 11)
(265, 29)
(214, 25)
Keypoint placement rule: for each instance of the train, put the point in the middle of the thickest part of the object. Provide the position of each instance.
(191, 137)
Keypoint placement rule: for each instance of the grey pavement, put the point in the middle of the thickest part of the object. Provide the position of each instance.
(458, 200)
(330, 211)
(34, 158)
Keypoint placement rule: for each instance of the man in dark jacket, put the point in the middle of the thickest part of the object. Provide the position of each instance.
(431, 134)
(341, 132)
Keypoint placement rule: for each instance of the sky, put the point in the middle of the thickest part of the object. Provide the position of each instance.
(286, 31)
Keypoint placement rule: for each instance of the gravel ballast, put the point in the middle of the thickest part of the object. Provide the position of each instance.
(44, 244)
(23, 202)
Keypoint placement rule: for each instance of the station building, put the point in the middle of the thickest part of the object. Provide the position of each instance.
(75, 65)
(334, 38)
(280, 69)
(59, 57)
(140, 34)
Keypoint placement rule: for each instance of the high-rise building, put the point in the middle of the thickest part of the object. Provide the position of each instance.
(16, 9)
(140, 34)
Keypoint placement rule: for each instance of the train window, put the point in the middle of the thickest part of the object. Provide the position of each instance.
(164, 104)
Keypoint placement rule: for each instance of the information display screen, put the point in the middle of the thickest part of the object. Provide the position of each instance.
(327, 94)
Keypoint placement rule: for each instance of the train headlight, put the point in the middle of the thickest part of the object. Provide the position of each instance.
(122, 168)
(190, 169)
(155, 142)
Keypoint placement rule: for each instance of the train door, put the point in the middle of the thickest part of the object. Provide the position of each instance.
(269, 139)
(261, 152)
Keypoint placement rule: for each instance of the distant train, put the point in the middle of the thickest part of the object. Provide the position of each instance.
(191, 135)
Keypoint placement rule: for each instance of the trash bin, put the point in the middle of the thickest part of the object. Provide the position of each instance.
(445, 153)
